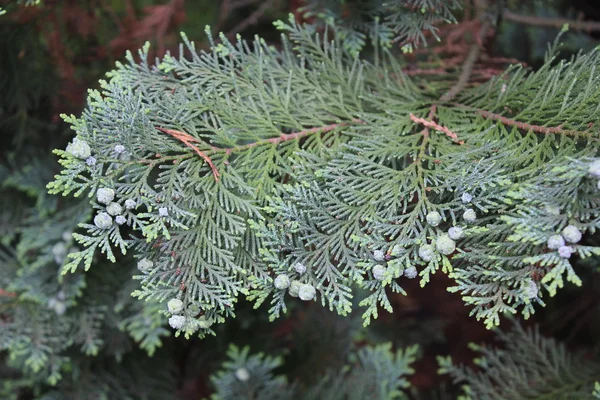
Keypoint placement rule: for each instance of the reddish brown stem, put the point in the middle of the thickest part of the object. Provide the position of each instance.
(188, 140)
(286, 136)
(434, 125)
(588, 26)
(4, 293)
(527, 127)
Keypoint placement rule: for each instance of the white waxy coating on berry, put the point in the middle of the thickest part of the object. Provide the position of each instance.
(175, 306)
(466, 198)
(204, 323)
(378, 272)
(79, 148)
(130, 204)
(103, 220)
(282, 282)
(144, 264)
(565, 251)
(177, 321)
(60, 308)
(59, 251)
(410, 272)
(571, 234)
(119, 148)
(105, 195)
(378, 255)
(163, 211)
(594, 168)
(426, 252)
(299, 268)
(531, 290)
(555, 241)
(294, 289)
(433, 218)
(119, 219)
(455, 233)
(114, 209)
(242, 374)
(307, 292)
(445, 245)
(91, 161)
(470, 215)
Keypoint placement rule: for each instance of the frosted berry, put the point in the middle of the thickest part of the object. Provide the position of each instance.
(177, 321)
(130, 204)
(282, 282)
(426, 252)
(378, 272)
(433, 218)
(594, 168)
(466, 198)
(555, 241)
(105, 195)
(204, 323)
(294, 289)
(455, 233)
(470, 215)
(565, 251)
(145, 265)
(531, 290)
(120, 219)
(114, 209)
(300, 268)
(163, 211)
(242, 374)
(571, 234)
(175, 306)
(103, 220)
(445, 245)
(307, 292)
(410, 272)
(79, 148)
(378, 255)
(119, 148)
(59, 251)
(60, 308)
(91, 161)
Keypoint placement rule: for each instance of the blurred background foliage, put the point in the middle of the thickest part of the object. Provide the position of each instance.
(51, 53)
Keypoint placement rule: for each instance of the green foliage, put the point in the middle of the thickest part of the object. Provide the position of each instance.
(374, 372)
(527, 366)
(245, 160)
(313, 161)
(382, 22)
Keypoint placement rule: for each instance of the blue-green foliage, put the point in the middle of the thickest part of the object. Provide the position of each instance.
(372, 372)
(527, 366)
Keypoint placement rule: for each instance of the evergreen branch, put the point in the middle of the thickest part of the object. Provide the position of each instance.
(589, 26)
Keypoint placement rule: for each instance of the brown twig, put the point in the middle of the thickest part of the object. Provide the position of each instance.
(588, 26)
(467, 67)
(252, 19)
(188, 140)
(528, 127)
(4, 293)
(436, 126)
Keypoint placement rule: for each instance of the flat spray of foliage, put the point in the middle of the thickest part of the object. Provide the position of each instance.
(319, 169)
